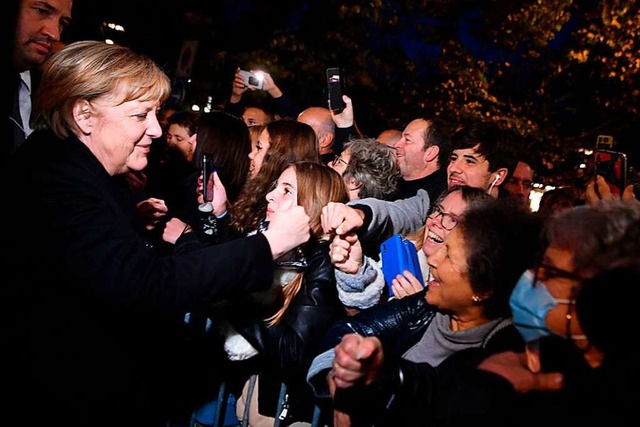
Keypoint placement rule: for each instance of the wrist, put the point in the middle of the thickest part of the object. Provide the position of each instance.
(275, 92)
(278, 248)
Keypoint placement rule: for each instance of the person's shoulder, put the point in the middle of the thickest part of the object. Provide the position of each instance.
(503, 337)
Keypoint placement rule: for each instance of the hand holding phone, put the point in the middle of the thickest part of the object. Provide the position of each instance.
(254, 80)
(399, 254)
(207, 183)
(612, 166)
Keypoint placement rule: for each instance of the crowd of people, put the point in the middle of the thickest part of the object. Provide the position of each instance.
(133, 285)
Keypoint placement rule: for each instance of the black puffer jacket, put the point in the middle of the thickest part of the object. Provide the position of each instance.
(411, 315)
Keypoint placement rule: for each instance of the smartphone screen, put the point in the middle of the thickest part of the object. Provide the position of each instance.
(335, 87)
(612, 166)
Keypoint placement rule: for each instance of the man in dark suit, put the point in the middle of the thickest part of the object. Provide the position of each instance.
(38, 25)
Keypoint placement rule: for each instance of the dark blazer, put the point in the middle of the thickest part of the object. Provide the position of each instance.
(13, 131)
(92, 316)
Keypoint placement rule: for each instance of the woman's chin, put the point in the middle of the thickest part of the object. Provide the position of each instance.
(137, 164)
(429, 247)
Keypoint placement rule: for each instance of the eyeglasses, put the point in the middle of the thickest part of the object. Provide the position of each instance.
(545, 272)
(338, 160)
(447, 220)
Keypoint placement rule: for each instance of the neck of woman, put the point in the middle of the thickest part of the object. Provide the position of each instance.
(467, 321)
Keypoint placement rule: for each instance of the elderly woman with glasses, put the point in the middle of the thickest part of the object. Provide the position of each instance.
(563, 355)
(369, 169)
(359, 277)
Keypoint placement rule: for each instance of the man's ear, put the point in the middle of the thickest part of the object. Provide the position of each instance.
(82, 116)
(326, 140)
(500, 176)
(431, 153)
(193, 141)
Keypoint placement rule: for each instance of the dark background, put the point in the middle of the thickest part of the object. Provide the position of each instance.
(556, 73)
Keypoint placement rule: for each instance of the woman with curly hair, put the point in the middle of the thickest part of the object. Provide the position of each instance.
(369, 169)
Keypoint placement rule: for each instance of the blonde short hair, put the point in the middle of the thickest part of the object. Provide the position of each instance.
(91, 70)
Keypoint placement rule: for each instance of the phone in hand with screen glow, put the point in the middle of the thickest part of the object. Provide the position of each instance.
(612, 166)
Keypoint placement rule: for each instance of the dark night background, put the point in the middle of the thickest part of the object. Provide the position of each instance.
(556, 73)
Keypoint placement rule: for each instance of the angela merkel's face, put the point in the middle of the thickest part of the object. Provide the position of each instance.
(120, 134)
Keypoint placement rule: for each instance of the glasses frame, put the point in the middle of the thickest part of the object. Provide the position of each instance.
(555, 272)
(337, 159)
(563, 274)
(439, 212)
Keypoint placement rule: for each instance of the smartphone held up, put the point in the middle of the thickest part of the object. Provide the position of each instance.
(399, 254)
(208, 168)
(335, 89)
(254, 80)
(612, 166)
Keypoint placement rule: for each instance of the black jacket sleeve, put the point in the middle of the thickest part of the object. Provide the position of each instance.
(395, 323)
(294, 341)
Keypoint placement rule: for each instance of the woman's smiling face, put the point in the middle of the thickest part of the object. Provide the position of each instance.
(450, 289)
(453, 206)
